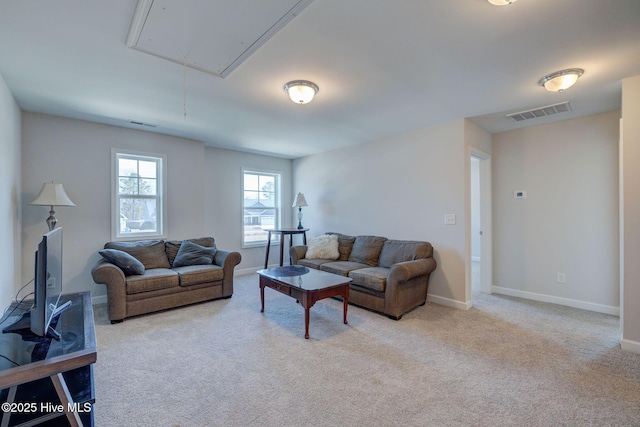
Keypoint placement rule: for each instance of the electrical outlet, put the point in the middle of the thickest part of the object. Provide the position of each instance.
(450, 219)
(561, 278)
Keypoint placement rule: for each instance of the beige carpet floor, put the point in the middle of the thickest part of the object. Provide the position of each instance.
(506, 362)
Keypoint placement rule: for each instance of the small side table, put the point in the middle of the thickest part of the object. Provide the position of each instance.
(283, 232)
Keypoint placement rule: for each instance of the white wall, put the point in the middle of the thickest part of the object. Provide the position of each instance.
(399, 187)
(630, 163)
(78, 155)
(223, 183)
(569, 221)
(10, 225)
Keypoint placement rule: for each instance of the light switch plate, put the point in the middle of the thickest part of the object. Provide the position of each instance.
(449, 219)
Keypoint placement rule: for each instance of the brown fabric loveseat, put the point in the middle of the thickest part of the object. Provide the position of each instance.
(158, 283)
(388, 276)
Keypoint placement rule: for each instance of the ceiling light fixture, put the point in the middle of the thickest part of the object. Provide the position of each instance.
(301, 91)
(501, 2)
(561, 80)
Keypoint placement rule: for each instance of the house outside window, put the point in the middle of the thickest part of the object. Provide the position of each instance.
(261, 205)
(138, 195)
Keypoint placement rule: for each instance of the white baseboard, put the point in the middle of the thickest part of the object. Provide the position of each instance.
(100, 299)
(584, 305)
(632, 346)
(448, 302)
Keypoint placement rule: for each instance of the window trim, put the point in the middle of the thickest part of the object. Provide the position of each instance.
(116, 153)
(275, 239)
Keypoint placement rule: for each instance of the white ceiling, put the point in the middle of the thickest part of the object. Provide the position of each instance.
(383, 67)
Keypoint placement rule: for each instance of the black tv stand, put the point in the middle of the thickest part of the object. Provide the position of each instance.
(57, 372)
(23, 325)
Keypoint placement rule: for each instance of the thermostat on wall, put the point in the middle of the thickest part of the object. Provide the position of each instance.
(519, 194)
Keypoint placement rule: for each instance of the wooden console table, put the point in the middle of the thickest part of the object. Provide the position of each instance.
(43, 379)
(283, 232)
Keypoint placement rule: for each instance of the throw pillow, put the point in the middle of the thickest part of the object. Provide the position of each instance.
(127, 263)
(193, 254)
(149, 252)
(173, 246)
(323, 247)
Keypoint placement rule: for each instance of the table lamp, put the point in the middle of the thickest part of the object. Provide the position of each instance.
(299, 202)
(52, 195)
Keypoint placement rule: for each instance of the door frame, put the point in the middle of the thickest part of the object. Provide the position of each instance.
(486, 261)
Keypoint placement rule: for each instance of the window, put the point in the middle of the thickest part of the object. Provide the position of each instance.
(138, 190)
(261, 205)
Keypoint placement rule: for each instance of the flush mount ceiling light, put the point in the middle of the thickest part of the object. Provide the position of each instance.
(301, 91)
(501, 2)
(561, 80)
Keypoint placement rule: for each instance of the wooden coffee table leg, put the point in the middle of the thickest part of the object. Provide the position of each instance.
(306, 322)
(262, 298)
(346, 304)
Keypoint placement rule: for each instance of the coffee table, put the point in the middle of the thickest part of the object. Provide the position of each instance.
(305, 285)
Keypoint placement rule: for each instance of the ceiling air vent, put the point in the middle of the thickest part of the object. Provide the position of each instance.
(142, 124)
(549, 110)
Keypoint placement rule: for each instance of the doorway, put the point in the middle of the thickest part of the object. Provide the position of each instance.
(480, 223)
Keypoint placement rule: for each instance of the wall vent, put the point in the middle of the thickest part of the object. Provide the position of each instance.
(142, 124)
(549, 110)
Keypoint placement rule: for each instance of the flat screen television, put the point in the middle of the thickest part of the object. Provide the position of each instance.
(47, 289)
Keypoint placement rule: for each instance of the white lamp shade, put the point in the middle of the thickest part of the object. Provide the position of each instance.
(52, 195)
(300, 201)
(301, 91)
(501, 2)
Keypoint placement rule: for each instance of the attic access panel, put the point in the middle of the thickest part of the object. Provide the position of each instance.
(210, 36)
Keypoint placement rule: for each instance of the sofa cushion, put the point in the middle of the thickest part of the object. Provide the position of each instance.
(374, 278)
(323, 247)
(196, 274)
(395, 251)
(345, 244)
(149, 252)
(342, 268)
(366, 250)
(127, 263)
(152, 280)
(173, 246)
(193, 254)
(313, 263)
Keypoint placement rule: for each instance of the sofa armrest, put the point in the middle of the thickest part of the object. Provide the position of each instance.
(227, 260)
(404, 271)
(111, 275)
(407, 285)
(297, 253)
(224, 258)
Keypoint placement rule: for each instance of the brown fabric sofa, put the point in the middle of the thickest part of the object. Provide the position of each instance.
(388, 276)
(162, 286)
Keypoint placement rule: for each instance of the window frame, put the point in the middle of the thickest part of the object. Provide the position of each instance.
(160, 197)
(277, 175)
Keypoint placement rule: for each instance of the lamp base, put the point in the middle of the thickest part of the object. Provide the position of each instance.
(300, 227)
(52, 220)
